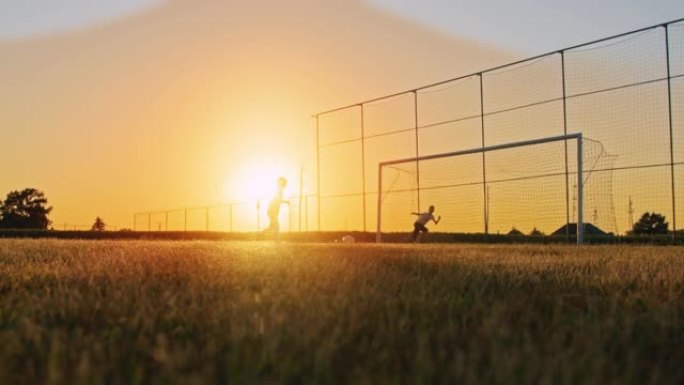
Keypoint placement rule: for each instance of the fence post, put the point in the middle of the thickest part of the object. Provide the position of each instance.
(258, 217)
(318, 169)
(230, 217)
(669, 106)
(484, 162)
(363, 164)
(299, 206)
(415, 124)
(378, 234)
(185, 220)
(565, 132)
(580, 192)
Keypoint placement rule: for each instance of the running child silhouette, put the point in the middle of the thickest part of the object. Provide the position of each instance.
(423, 219)
(273, 210)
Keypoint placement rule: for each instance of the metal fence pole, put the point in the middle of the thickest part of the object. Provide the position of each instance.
(669, 106)
(580, 192)
(299, 204)
(258, 216)
(565, 132)
(415, 123)
(230, 217)
(484, 162)
(363, 164)
(318, 169)
(378, 233)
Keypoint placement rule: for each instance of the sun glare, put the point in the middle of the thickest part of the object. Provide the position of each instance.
(254, 182)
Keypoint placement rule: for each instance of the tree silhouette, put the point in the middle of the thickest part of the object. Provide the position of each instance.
(515, 231)
(99, 225)
(536, 232)
(26, 209)
(650, 223)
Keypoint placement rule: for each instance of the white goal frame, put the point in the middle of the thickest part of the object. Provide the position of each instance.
(580, 184)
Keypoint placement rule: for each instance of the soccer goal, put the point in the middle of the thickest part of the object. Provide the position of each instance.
(535, 185)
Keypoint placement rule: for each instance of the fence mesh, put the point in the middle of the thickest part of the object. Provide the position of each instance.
(626, 93)
(299, 215)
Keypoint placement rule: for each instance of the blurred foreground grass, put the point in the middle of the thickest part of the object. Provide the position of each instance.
(136, 312)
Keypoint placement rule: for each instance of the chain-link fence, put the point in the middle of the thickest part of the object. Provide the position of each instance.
(298, 214)
(625, 93)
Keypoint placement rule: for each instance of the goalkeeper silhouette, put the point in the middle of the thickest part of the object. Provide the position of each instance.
(423, 219)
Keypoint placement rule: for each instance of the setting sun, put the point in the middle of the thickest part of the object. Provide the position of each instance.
(256, 181)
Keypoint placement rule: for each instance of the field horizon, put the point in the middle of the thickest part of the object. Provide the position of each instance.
(336, 236)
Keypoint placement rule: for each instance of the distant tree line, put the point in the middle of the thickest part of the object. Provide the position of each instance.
(649, 224)
(28, 210)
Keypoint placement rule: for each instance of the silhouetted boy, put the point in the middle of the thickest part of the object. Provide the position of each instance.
(423, 219)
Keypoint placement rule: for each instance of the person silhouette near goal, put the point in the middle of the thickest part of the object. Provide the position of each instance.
(273, 210)
(420, 223)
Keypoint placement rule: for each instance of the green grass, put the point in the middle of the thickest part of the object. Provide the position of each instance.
(137, 312)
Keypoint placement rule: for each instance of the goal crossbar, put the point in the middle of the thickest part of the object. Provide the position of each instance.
(580, 187)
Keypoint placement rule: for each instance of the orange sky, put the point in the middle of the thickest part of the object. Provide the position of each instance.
(169, 108)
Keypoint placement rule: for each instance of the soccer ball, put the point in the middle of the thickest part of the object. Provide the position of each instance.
(348, 239)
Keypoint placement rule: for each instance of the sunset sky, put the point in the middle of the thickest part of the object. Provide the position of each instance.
(118, 106)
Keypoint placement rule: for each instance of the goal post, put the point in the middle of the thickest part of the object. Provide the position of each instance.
(475, 156)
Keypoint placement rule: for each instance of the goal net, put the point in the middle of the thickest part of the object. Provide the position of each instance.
(556, 186)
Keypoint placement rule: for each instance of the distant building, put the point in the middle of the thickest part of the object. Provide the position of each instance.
(571, 228)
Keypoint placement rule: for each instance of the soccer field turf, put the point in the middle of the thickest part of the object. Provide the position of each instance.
(144, 312)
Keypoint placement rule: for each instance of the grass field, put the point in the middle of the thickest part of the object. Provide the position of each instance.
(148, 312)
